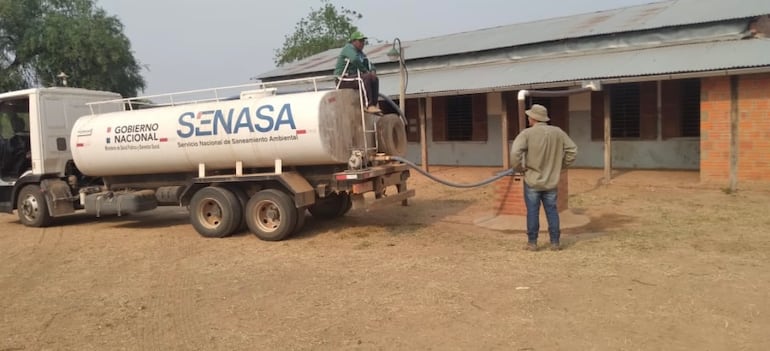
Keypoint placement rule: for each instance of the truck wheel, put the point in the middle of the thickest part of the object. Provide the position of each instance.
(301, 219)
(271, 215)
(242, 199)
(391, 135)
(32, 208)
(215, 212)
(331, 206)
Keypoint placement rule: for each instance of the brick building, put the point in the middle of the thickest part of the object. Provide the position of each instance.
(685, 84)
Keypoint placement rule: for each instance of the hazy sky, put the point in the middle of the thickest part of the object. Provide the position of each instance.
(196, 44)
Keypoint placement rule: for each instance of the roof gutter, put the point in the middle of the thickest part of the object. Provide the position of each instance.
(580, 83)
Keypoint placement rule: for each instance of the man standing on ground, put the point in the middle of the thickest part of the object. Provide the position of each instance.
(352, 56)
(541, 151)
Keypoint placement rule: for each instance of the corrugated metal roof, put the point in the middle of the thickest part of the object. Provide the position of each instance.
(631, 63)
(628, 19)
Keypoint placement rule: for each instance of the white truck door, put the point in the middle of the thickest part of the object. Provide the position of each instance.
(58, 111)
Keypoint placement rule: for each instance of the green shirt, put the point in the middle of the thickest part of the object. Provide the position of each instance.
(541, 151)
(358, 61)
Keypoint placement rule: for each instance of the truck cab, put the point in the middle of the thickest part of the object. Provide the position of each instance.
(35, 126)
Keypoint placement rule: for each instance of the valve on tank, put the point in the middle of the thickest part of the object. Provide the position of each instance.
(356, 160)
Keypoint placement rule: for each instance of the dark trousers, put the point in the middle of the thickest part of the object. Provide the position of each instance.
(371, 86)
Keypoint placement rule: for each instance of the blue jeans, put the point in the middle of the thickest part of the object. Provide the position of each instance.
(532, 199)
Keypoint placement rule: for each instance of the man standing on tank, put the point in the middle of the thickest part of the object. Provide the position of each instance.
(352, 56)
(541, 151)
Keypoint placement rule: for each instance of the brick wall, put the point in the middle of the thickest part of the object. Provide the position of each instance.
(510, 196)
(753, 128)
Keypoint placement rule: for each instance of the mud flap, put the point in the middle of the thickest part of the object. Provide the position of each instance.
(58, 197)
(304, 194)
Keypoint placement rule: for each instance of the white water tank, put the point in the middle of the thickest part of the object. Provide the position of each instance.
(313, 128)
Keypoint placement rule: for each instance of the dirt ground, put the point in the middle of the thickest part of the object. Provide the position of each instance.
(665, 264)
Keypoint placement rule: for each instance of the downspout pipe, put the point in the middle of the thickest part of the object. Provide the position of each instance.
(591, 86)
(522, 96)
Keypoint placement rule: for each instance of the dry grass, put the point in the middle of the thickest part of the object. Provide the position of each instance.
(665, 264)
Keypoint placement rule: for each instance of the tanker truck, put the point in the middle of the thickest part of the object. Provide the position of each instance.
(260, 160)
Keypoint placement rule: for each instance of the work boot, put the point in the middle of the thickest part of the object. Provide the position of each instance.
(530, 246)
(555, 247)
(373, 109)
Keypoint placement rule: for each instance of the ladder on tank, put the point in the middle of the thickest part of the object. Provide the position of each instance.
(363, 102)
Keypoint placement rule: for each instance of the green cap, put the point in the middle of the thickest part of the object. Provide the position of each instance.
(357, 36)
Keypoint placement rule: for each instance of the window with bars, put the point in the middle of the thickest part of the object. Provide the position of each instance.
(690, 108)
(459, 118)
(625, 110)
(546, 102)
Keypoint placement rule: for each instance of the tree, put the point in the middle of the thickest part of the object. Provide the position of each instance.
(323, 29)
(41, 38)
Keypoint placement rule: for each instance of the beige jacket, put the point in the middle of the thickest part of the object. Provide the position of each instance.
(541, 152)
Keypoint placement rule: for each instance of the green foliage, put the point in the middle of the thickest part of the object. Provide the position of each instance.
(40, 38)
(323, 29)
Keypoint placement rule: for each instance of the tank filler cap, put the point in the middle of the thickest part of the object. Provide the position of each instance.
(256, 94)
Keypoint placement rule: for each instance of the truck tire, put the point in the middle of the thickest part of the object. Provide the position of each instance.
(32, 207)
(243, 199)
(215, 212)
(391, 135)
(331, 206)
(271, 215)
(301, 219)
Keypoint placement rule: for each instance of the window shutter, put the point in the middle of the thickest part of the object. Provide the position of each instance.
(648, 110)
(671, 110)
(597, 115)
(438, 118)
(559, 112)
(512, 109)
(479, 117)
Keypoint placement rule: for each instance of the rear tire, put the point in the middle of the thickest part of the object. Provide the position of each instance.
(271, 215)
(32, 207)
(243, 199)
(215, 212)
(301, 219)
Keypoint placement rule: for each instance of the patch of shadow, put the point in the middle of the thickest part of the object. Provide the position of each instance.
(159, 218)
(603, 223)
(600, 182)
(395, 220)
(597, 227)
